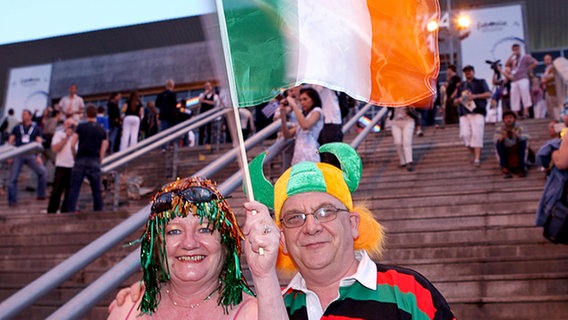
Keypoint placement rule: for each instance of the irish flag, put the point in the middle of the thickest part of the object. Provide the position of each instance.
(378, 51)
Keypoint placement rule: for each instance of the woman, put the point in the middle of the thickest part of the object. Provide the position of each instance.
(402, 129)
(131, 122)
(308, 127)
(190, 257)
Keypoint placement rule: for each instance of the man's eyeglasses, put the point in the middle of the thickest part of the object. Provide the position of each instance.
(323, 214)
(195, 194)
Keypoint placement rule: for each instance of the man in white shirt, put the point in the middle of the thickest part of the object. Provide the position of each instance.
(72, 105)
(64, 161)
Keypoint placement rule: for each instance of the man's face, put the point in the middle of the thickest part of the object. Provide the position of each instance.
(516, 50)
(547, 59)
(319, 246)
(509, 120)
(26, 116)
(72, 89)
(469, 74)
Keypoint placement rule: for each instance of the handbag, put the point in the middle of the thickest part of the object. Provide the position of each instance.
(556, 224)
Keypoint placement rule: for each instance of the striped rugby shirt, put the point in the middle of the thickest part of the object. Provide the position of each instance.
(375, 291)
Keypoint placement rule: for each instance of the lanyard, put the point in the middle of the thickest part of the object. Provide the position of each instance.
(30, 130)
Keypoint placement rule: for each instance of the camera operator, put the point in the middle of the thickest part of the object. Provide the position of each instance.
(511, 142)
(502, 85)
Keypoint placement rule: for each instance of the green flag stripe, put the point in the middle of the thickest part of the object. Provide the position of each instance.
(257, 48)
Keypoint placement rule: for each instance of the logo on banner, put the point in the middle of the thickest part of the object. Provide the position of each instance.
(29, 82)
(491, 26)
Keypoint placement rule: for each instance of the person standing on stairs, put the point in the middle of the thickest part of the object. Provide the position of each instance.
(22, 134)
(64, 161)
(403, 120)
(92, 144)
(471, 100)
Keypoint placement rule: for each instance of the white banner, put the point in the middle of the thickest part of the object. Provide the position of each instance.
(28, 88)
(493, 31)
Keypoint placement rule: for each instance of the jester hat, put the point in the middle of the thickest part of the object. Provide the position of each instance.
(320, 177)
(182, 198)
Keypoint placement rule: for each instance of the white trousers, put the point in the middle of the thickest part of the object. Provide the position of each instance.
(472, 126)
(130, 128)
(520, 91)
(402, 132)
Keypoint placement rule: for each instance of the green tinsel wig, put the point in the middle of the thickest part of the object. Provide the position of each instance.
(217, 212)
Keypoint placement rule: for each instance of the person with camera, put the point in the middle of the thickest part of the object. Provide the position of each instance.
(511, 142)
(471, 100)
(64, 161)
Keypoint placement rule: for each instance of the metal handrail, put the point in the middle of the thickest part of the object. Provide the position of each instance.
(97, 290)
(50, 280)
(120, 158)
(87, 298)
(21, 150)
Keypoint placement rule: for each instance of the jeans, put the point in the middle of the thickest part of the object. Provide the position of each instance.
(89, 168)
(164, 125)
(61, 185)
(504, 153)
(30, 161)
(112, 135)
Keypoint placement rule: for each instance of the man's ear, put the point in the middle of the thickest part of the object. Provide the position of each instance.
(283, 242)
(354, 220)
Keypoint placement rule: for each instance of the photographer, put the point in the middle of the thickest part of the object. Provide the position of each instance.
(502, 85)
(511, 142)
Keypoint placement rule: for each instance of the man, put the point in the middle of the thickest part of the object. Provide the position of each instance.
(92, 145)
(22, 134)
(113, 111)
(166, 102)
(471, 100)
(453, 80)
(329, 241)
(511, 141)
(207, 101)
(553, 106)
(72, 105)
(64, 161)
(520, 65)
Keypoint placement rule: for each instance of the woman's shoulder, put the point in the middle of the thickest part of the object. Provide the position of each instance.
(247, 309)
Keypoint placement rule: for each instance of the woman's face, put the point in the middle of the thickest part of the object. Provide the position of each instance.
(306, 102)
(194, 253)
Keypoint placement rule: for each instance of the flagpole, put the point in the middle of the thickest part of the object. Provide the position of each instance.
(234, 98)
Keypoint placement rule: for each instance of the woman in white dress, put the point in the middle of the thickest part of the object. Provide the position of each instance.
(309, 124)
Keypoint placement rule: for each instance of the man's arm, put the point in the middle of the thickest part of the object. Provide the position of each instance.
(533, 64)
(104, 146)
(74, 141)
(58, 143)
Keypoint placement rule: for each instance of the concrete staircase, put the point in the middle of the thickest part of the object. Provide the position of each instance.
(467, 229)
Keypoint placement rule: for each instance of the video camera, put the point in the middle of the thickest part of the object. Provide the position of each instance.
(495, 67)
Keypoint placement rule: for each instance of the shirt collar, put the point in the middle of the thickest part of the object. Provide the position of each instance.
(366, 275)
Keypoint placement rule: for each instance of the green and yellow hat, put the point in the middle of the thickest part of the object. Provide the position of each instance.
(320, 177)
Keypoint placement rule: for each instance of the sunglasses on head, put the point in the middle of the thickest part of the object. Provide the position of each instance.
(195, 194)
